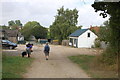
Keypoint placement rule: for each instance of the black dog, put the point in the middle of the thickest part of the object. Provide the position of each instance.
(24, 53)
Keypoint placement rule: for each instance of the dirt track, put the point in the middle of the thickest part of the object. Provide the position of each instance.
(58, 65)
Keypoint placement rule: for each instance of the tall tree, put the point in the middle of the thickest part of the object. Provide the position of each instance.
(113, 9)
(112, 55)
(33, 28)
(64, 24)
(15, 24)
(18, 23)
(11, 23)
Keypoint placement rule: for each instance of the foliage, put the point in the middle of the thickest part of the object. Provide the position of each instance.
(92, 68)
(48, 33)
(114, 22)
(82, 60)
(64, 24)
(15, 24)
(113, 9)
(103, 35)
(107, 58)
(14, 66)
(97, 43)
(39, 32)
(4, 27)
(33, 28)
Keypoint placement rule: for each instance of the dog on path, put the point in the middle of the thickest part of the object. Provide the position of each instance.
(24, 53)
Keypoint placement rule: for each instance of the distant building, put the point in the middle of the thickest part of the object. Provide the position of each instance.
(82, 38)
(95, 29)
(12, 35)
(32, 38)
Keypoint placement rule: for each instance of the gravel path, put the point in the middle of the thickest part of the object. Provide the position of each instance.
(58, 65)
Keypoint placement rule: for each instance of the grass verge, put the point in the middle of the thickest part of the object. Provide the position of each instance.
(14, 66)
(93, 68)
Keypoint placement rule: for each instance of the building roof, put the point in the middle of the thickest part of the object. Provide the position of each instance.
(95, 29)
(12, 33)
(78, 32)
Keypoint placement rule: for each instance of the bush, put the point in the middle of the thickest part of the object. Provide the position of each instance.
(97, 43)
(108, 56)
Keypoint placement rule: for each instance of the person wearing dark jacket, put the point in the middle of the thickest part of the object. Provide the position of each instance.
(28, 49)
(46, 50)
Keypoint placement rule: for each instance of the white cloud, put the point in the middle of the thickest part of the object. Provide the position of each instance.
(44, 11)
(88, 17)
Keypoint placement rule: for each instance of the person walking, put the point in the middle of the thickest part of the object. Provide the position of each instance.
(46, 50)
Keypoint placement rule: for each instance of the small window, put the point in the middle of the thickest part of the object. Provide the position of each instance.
(88, 34)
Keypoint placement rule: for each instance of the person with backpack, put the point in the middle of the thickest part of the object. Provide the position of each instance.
(46, 50)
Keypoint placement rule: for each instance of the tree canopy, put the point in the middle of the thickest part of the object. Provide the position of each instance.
(33, 28)
(4, 27)
(14, 24)
(112, 9)
(64, 24)
(111, 55)
(103, 35)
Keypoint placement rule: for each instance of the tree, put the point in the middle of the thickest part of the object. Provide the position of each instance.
(64, 24)
(18, 23)
(33, 28)
(103, 35)
(39, 32)
(113, 10)
(15, 24)
(11, 23)
(3, 27)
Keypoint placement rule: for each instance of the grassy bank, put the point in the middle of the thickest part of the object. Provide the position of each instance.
(93, 68)
(14, 66)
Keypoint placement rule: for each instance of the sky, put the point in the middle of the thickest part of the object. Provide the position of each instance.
(44, 11)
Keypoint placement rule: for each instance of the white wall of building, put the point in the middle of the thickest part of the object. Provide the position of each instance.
(86, 42)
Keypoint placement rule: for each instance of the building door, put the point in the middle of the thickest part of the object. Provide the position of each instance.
(76, 42)
(71, 41)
